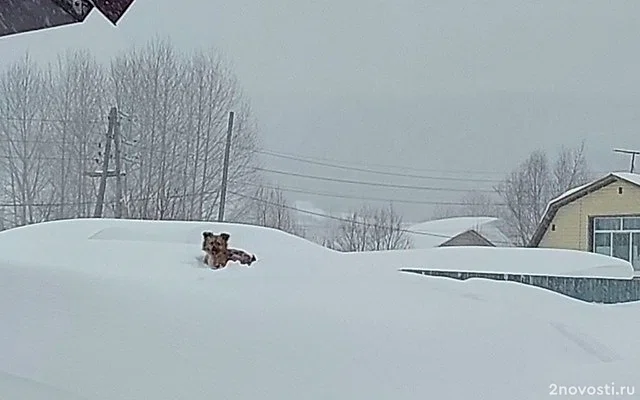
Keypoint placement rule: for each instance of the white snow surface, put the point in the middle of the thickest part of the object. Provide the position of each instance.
(112, 309)
(629, 177)
(510, 260)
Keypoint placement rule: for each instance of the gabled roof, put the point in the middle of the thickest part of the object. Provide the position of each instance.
(473, 233)
(434, 233)
(574, 194)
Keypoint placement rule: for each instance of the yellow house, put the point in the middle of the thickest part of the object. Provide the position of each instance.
(602, 217)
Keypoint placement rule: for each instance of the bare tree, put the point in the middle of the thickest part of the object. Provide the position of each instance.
(24, 140)
(173, 122)
(270, 208)
(570, 169)
(527, 190)
(78, 110)
(50, 115)
(370, 229)
(180, 103)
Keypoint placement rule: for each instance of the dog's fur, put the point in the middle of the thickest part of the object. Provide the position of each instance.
(215, 248)
(218, 254)
(240, 256)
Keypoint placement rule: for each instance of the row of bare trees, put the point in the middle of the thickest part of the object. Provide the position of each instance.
(175, 108)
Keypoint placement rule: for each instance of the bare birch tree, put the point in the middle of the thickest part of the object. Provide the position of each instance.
(78, 112)
(24, 140)
(526, 192)
(173, 123)
(181, 103)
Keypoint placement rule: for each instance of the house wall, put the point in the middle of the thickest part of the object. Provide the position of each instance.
(572, 221)
(468, 238)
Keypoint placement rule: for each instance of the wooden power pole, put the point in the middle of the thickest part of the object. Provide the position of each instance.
(225, 169)
(113, 135)
(118, 169)
(97, 213)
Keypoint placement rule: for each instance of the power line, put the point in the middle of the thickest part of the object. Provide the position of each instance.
(58, 120)
(372, 171)
(375, 184)
(351, 221)
(381, 165)
(332, 217)
(381, 199)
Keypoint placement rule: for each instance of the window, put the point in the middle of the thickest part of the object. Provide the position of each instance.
(631, 223)
(635, 251)
(618, 237)
(607, 224)
(603, 243)
(621, 246)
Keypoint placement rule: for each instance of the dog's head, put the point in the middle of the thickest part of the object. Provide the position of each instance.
(214, 243)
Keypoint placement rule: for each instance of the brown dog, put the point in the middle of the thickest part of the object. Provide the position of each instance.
(217, 253)
(215, 248)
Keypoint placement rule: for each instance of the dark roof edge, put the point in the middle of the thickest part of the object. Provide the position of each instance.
(553, 207)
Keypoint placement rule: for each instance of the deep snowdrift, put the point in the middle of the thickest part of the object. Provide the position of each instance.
(531, 261)
(125, 310)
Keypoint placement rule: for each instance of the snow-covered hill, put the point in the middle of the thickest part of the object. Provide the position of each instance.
(111, 309)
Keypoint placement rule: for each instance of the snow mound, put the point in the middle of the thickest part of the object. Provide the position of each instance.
(118, 310)
(509, 260)
(530, 261)
(123, 246)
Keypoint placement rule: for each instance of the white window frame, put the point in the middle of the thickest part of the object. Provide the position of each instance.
(630, 232)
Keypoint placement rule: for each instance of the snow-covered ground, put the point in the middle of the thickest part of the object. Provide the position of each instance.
(109, 309)
(530, 261)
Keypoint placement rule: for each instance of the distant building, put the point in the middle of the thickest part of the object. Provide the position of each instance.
(602, 216)
(459, 231)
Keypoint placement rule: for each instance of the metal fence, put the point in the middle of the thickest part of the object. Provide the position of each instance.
(593, 290)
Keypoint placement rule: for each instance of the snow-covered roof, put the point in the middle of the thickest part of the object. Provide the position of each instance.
(629, 177)
(569, 193)
(433, 233)
(625, 176)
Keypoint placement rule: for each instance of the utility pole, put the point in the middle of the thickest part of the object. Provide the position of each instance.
(633, 153)
(116, 145)
(225, 169)
(113, 135)
(97, 213)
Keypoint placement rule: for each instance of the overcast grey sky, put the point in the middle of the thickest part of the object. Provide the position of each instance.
(431, 85)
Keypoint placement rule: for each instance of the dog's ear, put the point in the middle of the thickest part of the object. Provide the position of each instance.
(225, 236)
(207, 234)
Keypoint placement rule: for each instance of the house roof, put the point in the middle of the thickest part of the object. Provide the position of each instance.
(479, 238)
(434, 233)
(574, 194)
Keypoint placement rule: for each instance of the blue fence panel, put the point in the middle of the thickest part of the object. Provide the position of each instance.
(593, 290)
